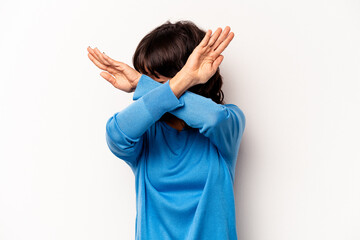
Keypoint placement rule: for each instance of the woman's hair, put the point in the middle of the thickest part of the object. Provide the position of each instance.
(165, 51)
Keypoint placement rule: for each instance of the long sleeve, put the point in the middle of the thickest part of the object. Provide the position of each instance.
(222, 124)
(125, 130)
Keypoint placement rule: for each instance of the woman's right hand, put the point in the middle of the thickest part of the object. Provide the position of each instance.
(119, 74)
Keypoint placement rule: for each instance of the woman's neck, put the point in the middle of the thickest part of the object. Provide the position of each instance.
(177, 124)
(174, 122)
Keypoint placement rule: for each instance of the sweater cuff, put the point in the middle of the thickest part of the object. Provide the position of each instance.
(161, 100)
(145, 82)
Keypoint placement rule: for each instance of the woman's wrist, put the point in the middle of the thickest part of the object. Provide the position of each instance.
(181, 82)
(135, 82)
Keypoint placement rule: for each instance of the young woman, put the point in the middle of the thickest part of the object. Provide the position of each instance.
(178, 137)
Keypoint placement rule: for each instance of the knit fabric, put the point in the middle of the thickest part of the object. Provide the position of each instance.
(183, 179)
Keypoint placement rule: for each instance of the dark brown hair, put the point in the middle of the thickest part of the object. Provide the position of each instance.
(165, 51)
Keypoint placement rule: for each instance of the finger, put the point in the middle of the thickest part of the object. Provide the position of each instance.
(117, 84)
(206, 38)
(112, 65)
(97, 63)
(100, 65)
(100, 56)
(109, 78)
(217, 62)
(104, 58)
(214, 37)
(222, 37)
(93, 53)
(118, 65)
(111, 62)
(224, 44)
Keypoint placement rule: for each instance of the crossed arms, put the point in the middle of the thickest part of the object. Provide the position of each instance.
(125, 130)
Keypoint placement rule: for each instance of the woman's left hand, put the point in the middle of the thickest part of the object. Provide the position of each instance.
(206, 57)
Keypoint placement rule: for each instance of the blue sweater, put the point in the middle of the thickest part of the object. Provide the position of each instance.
(184, 179)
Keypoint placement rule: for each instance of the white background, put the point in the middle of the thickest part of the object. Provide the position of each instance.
(293, 67)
